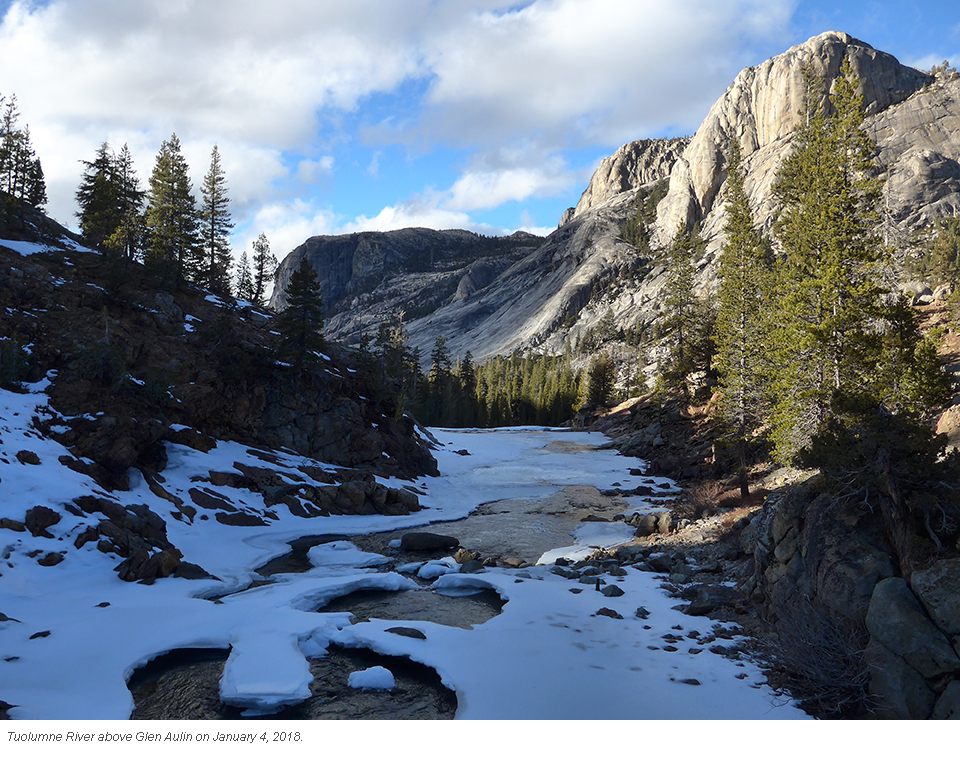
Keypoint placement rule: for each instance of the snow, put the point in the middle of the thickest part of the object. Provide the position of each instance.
(372, 679)
(548, 655)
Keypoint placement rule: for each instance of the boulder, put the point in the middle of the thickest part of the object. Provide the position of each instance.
(938, 588)
(38, 519)
(425, 541)
(897, 620)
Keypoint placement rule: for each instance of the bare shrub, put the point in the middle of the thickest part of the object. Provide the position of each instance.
(818, 657)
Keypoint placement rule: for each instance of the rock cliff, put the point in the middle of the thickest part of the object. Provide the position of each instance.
(635, 164)
(540, 294)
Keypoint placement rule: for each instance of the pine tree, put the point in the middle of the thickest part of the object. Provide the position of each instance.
(602, 376)
(741, 301)
(825, 291)
(264, 268)
(127, 238)
(171, 214)
(98, 198)
(302, 319)
(682, 317)
(214, 268)
(244, 288)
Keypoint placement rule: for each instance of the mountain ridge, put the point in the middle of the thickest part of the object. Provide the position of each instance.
(584, 271)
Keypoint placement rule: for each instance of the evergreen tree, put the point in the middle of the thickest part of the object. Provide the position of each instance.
(98, 198)
(683, 317)
(602, 377)
(825, 291)
(127, 238)
(264, 268)
(171, 215)
(21, 175)
(244, 288)
(301, 322)
(216, 224)
(741, 301)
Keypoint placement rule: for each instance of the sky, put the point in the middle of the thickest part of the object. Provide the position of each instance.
(334, 117)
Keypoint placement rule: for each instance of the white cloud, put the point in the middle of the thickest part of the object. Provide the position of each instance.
(287, 224)
(487, 189)
(418, 211)
(517, 86)
(311, 170)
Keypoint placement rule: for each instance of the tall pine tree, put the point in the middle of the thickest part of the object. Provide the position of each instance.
(171, 215)
(301, 322)
(741, 301)
(213, 268)
(825, 288)
(264, 268)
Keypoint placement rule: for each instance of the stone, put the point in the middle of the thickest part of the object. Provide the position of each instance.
(900, 690)
(897, 621)
(462, 555)
(426, 541)
(611, 591)
(38, 519)
(51, 559)
(7, 523)
(27, 458)
(471, 567)
(240, 519)
(947, 706)
(938, 588)
(609, 612)
(409, 632)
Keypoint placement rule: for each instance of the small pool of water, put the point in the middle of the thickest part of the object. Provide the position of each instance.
(419, 605)
(184, 685)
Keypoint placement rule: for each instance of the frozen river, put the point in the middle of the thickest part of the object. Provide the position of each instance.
(75, 633)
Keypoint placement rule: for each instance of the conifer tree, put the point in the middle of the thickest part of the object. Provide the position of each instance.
(682, 318)
(741, 301)
(127, 238)
(602, 375)
(171, 214)
(264, 268)
(244, 288)
(301, 322)
(98, 198)
(825, 291)
(213, 272)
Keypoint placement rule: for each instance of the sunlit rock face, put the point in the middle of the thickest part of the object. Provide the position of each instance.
(524, 293)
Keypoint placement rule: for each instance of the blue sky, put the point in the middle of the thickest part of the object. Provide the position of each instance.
(378, 114)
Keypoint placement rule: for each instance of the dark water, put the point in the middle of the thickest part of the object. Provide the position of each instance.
(184, 685)
(419, 605)
(296, 561)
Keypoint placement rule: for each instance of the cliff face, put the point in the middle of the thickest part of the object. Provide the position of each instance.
(761, 110)
(633, 165)
(541, 294)
(367, 277)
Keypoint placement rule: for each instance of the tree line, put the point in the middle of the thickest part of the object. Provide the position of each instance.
(177, 236)
(21, 174)
(813, 353)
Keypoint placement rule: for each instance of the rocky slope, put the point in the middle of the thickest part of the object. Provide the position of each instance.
(582, 272)
(115, 371)
(368, 277)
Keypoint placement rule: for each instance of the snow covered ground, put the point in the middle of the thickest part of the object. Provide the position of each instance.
(75, 632)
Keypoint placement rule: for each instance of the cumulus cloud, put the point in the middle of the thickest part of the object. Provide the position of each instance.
(514, 86)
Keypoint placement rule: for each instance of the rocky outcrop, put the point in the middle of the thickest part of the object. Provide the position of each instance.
(808, 548)
(366, 278)
(562, 289)
(761, 110)
(633, 165)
